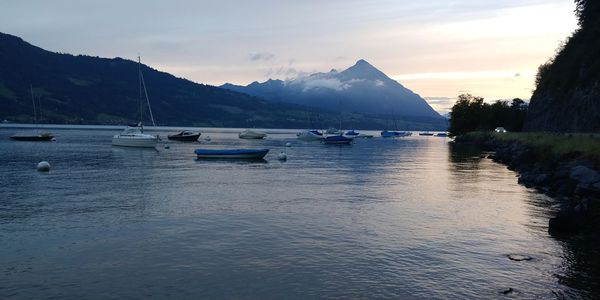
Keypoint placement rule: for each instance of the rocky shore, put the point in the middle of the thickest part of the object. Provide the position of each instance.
(572, 179)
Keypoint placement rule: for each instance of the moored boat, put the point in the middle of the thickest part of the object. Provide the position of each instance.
(427, 133)
(252, 135)
(231, 153)
(186, 136)
(391, 134)
(134, 136)
(34, 137)
(310, 135)
(42, 137)
(337, 140)
(442, 134)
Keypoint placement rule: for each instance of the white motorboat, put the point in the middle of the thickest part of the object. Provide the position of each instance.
(310, 135)
(134, 136)
(252, 135)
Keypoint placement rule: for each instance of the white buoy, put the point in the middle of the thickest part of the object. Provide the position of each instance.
(167, 146)
(282, 156)
(43, 166)
(288, 144)
(207, 138)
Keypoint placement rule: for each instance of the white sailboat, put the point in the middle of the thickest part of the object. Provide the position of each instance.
(134, 136)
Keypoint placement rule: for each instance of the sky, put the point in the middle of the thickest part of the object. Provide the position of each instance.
(437, 48)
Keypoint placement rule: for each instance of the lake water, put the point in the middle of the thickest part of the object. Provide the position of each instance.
(384, 218)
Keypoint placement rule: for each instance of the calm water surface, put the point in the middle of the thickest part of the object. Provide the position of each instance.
(399, 218)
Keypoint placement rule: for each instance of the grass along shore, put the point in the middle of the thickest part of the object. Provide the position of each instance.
(546, 147)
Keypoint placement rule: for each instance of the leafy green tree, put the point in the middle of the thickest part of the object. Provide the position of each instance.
(471, 113)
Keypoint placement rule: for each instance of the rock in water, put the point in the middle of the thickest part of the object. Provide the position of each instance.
(518, 257)
(584, 174)
(43, 166)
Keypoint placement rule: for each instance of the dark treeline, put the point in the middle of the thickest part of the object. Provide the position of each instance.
(470, 113)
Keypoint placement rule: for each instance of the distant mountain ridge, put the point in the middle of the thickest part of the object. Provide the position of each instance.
(92, 90)
(360, 88)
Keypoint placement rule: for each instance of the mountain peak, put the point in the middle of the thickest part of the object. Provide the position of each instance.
(362, 62)
(363, 69)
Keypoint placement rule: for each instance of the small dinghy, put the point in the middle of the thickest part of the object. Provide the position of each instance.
(231, 153)
(337, 140)
(185, 136)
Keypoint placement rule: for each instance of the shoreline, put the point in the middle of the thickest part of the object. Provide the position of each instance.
(555, 165)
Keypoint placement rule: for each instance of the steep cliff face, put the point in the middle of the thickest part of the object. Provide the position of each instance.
(567, 96)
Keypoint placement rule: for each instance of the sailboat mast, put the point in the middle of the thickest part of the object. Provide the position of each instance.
(33, 101)
(146, 92)
(340, 101)
(140, 90)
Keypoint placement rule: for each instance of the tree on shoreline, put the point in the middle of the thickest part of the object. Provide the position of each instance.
(471, 113)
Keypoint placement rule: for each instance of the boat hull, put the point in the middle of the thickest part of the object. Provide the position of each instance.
(309, 136)
(185, 138)
(134, 142)
(231, 153)
(392, 134)
(32, 138)
(337, 140)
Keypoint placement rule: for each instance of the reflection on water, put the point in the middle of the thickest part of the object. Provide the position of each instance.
(384, 218)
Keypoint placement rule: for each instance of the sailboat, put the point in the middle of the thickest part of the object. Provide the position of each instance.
(395, 133)
(39, 137)
(338, 138)
(133, 135)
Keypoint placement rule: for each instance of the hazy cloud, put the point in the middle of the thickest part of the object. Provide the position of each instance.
(328, 83)
(261, 56)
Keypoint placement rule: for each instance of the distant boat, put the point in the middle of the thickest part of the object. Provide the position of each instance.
(310, 135)
(231, 153)
(426, 133)
(133, 135)
(185, 136)
(351, 133)
(392, 134)
(442, 134)
(33, 137)
(357, 135)
(252, 135)
(337, 140)
(42, 137)
(332, 130)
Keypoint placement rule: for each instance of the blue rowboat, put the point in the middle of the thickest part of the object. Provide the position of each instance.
(337, 140)
(232, 153)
